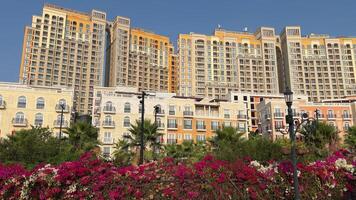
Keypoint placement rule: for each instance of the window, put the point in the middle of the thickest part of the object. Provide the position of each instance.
(1, 101)
(21, 102)
(226, 113)
(227, 124)
(108, 106)
(187, 137)
(40, 104)
(172, 123)
(346, 126)
(127, 107)
(200, 125)
(201, 138)
(39, 119)
(187, 124)
(59, 117)
(127, 122)
(214, 125)
(172, 110)
(106, 151)
(107, 137)
(19, 118)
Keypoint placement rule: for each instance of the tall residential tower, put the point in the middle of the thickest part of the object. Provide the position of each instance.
(228, 61)
(64, 47)
(318, 66)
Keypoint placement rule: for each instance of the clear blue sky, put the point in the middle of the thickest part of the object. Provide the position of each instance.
(170, 17)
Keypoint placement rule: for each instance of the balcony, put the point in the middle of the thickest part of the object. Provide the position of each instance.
(19, 122)
(109, 110)
(57, 124)
(226, 116)
(108, 140)
(346, 116)
(172, 112)
(59, 108)
(160, 125)
(161, 112)
(242, 117)
(108, 124)
(201, 127)
(172, 126)
(278, 115)
(331, 116)
(2, 104)
(171, 141)
(188, 113)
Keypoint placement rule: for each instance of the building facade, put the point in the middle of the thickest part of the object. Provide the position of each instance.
(23, 106)
(64, 47)
(228, 61)
(251, 101)
(140, 58)
(318, 66)
(273, 122)
(179, 119)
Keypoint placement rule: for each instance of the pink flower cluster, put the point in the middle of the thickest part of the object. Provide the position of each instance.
(91, 178)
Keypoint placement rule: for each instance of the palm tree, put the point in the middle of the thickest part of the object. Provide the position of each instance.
(228, 134)
(150, 138)
(122, 156)
(82, 135)
(350, 138)
(320, 136)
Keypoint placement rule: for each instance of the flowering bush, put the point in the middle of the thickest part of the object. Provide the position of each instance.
(90, 178)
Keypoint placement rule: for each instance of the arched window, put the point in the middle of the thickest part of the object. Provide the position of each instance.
(127, 107)
(46, 15)
(21, 102)
(53, 17)
(127, 122)
(19, 118)
(108, 106)
(40, 104)
(39, 119)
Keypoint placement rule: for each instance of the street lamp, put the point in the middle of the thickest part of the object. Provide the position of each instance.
(157, 109)
(142, 101)
(288, 96)
(62, 106)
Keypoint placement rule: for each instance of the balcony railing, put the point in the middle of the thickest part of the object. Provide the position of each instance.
(241, 117)
(160, 125)
(267, 116)
(108, 124)
(347, 116)
(172, 126)
(278, 115)
(109, 110)
(2, 104)
(201, 127)
(108, 140)
(226, 116)
(59, 108)
(187, 113)
(331, 116)
(161, 112)
(57, 123)
(171, 141)
(19, 122)
(172, 112)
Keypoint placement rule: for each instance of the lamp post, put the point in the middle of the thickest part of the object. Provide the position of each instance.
(62, 106)
(288, 95)
(142, 101)
(157, 109)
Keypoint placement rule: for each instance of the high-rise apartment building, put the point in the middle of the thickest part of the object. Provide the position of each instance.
(139, 58)
(318, 66)
(228, 61)
(64, 47)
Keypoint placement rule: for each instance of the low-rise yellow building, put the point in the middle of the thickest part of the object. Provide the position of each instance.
(23, 106)
(179, 118)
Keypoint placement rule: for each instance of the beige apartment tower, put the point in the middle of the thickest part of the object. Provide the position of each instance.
(228, 61)
(139, 58)
(318, 66)
(64, 47)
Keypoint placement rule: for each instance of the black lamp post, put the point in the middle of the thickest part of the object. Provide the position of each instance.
(142, 101)
(157, 109)
(62, 106)
(288, 95)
